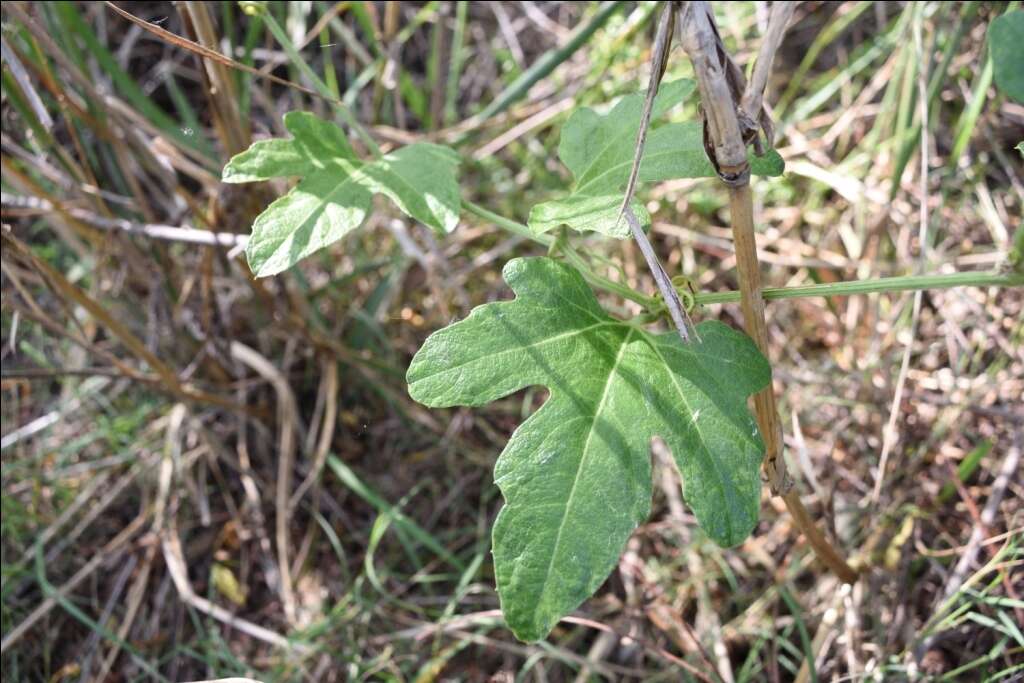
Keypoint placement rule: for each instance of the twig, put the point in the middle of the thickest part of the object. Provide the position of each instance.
(323, 445)
(68, 292)
(958, 579)
(175, 559)
(126, 130)
(825, 629)
(651, 647)
(522, 128)
(49, 373)
(42, 422)
(508, 33)
(659, 60)
(168, 233)
(725, 140)
(1009, 467)
(668, 291)
(206, 53)
(752, 104)
(91, 646)
(603, 645)
(219, 87)
(170, 456)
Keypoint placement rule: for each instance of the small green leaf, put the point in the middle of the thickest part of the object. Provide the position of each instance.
(1006, 44)
(598, 149)
(576, 475)
(336, 193)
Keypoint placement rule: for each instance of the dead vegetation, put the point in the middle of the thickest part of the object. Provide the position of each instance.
(206, 475)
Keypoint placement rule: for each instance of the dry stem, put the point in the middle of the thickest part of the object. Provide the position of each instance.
(724, 140)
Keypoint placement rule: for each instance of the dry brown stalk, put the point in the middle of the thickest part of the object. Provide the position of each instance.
(288, 420)
(232, 129)
(728, 129)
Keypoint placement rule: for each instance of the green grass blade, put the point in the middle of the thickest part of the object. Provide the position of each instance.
(126, 85)
(979, 95)
(349, 478)
(458, 53)
(549, 61)
(824, 39)
(965, 469)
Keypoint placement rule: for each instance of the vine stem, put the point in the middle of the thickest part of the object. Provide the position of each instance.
(570, 255)
(899, 283)
(726, 144)
(902, 283)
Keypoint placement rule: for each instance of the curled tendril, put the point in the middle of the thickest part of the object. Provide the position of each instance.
(687, 293)
(687, 296)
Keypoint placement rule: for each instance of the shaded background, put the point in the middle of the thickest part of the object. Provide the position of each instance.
(149, 383)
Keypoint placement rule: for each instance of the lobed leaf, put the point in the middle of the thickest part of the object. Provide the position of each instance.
(576, 475)
(336, 192)
(598, 150)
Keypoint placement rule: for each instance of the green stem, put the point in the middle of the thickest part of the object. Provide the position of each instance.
(601, 282)
(902, 283)
(571, 256)
(506, 224)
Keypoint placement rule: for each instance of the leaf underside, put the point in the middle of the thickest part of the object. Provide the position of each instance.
(576, 475)
(598, 150)
(336, 193)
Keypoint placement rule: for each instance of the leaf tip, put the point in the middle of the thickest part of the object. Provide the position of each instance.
(231, 175)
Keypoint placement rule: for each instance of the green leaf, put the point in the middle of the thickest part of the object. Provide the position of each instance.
(576, 475)
(599, 149)
(336, 193)
(1006, 43)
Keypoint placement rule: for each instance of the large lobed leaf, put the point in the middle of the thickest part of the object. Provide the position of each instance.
(336, 192)
(599, 151)
(576, 475)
